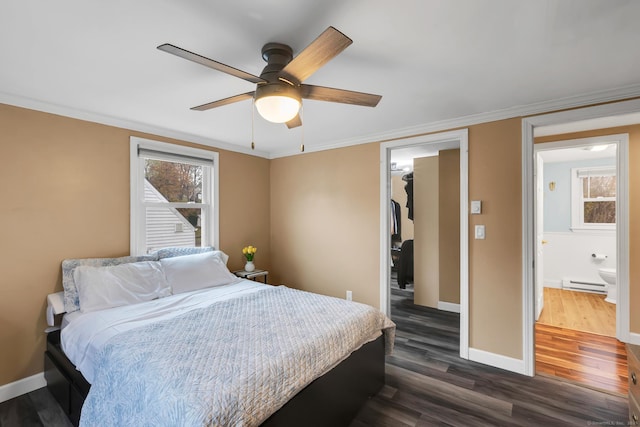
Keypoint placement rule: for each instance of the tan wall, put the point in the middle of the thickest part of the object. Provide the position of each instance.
(64, 187)
(315, 217)
(244, 208)
(426, 275)
(325, 218)
(495, 264)
(634, 208)
(449, 223)
(325, 222)
(399, 195)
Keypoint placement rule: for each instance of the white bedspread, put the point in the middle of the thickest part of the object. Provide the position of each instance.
(84, 334)
(232, 362)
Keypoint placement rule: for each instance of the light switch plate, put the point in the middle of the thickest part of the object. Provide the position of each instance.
(479, 232)
(476, 207)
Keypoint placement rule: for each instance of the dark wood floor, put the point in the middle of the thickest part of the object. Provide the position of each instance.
(35, 409)
(427, 385)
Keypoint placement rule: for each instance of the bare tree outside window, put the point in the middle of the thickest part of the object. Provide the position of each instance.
(599, 193)
(178, 182)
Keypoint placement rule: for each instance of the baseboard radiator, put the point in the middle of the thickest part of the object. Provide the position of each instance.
(581, 285)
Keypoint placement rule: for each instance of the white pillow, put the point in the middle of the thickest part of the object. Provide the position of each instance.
(224, 257)
(118, 285)
(192, 272)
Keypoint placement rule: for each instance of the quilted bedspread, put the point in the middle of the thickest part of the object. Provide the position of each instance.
(233, 363)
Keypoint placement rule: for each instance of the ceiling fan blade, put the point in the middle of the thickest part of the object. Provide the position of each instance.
(225, 101)
(324, 48)
(295, 122)
(321, 93)
(199, 59)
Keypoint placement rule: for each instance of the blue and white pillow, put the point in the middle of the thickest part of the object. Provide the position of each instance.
(71, 299)
(171, 252)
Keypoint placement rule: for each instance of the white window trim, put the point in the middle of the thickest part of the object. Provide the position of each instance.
(137, 233)
(577, 202)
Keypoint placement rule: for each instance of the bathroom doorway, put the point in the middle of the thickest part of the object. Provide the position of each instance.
(576, 195)
(615, 117)
(576, 230)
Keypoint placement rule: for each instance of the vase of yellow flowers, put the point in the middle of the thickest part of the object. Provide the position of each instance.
(249, 252)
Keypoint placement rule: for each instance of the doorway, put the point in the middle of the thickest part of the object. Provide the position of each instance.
(589, 118)
(434, 143)
(575, 219)
(402, 221)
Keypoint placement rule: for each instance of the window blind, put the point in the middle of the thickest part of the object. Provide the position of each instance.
(147, 153)
(585, 173)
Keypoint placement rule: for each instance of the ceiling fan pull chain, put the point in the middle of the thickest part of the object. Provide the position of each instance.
(253, 146)
(301, 128)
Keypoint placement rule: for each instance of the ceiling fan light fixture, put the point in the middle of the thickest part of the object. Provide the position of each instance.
(278, 102)
(279, 88)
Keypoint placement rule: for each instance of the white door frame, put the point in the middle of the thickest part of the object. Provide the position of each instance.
(539, 230)
(528, 226)
(462, 136)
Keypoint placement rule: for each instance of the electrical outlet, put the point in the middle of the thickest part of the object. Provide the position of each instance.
(479, 232)
(349, 296)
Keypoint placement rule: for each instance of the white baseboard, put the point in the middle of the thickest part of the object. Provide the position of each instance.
(449, 306)
(634, 338)
(497, 360)
(557, 284)
(23, 386)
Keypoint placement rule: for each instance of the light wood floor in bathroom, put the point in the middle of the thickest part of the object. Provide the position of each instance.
(575, 340)
(580, 311)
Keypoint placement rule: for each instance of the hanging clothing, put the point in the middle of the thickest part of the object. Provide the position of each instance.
(408, 178)
(405, 269)
(396, 223)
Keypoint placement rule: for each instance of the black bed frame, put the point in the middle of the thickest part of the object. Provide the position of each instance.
(334, 399)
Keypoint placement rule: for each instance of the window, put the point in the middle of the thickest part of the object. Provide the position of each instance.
(173, 196)
(593, 198)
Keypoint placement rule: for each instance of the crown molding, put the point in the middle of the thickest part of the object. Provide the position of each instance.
(89, 116)
(591, 98)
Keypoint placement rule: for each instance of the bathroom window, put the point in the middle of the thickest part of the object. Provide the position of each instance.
(593, 198)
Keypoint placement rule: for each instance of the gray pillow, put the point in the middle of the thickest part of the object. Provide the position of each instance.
(180, 251)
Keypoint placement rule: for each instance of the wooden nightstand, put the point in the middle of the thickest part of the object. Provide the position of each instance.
(253, 275)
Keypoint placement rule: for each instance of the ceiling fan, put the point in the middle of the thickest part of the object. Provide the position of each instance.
(279, 88)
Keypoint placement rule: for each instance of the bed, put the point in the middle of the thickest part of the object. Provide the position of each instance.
(207, 348)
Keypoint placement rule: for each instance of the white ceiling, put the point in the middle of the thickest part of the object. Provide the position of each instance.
(432, 61)
(577, 153)
(403, 157)
(583, 125)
